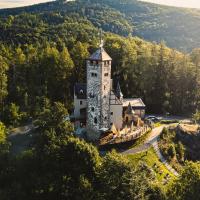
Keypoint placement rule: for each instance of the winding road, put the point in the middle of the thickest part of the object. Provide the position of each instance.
(152, 140)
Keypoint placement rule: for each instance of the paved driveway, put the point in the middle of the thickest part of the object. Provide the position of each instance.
(152, 140)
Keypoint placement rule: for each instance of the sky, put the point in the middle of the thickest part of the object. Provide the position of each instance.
(177, 3)
(18, 3)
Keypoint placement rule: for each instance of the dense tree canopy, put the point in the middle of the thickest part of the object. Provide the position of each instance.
(177, 26)
(42, 55)
(187, 185)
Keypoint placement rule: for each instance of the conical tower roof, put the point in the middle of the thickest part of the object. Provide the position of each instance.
(129, 109)
(113, 129)
(118, 91)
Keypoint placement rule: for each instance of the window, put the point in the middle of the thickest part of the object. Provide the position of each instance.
(105, 118)
(106, 74)
(81, 91)
(107, 62)
(111, 113)
(104, 87)
(81, 102)
(91, 95)
(92, 109)
(95, 120)
(111, 124)
(94, 74)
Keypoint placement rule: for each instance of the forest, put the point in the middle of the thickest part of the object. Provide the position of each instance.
(43, 49)
(178, 27)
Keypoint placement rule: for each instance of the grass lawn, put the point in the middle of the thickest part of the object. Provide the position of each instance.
(150, 158)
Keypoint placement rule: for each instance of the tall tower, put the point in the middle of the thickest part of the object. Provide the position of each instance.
(98, 89)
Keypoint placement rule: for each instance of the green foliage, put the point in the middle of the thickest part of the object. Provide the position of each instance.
(172, 151)
(3, 81)
(118, 179)
(187, 185)
(180, 149)
(52, 124)
(13, 116)
(196, 116)
(149, 21)
(157, 193)
(66, 172)
(2, 133)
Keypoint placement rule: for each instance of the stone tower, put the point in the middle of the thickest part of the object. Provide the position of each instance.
(98, 90)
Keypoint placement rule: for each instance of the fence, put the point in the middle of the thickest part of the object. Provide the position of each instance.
(129, 136)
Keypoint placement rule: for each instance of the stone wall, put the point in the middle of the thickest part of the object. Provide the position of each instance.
(98, 94)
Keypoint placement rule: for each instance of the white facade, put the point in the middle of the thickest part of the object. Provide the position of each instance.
(79, 104)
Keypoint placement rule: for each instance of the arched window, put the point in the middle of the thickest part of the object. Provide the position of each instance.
(95, 120)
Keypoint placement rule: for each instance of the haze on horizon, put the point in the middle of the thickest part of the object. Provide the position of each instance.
(19, 3)
(177, 3)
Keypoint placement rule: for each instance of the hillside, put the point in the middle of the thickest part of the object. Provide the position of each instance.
(178, 27)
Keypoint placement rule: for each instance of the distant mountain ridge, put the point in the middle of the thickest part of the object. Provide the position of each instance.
(178, 27)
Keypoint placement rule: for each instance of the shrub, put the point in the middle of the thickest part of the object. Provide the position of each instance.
(172, 151)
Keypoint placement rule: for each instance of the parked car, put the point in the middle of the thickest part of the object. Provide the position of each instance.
(153, 118)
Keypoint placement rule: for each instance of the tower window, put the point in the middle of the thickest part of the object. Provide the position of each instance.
(95, 120)
(92, 109)
(111, 113)
(91, 95)
(94, 74)
(105, 118)
(81, 102)
(106, 74)
(97, 62)
(111, 124)
(104, 87)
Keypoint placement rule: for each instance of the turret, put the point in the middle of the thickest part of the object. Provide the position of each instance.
(118, 92)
